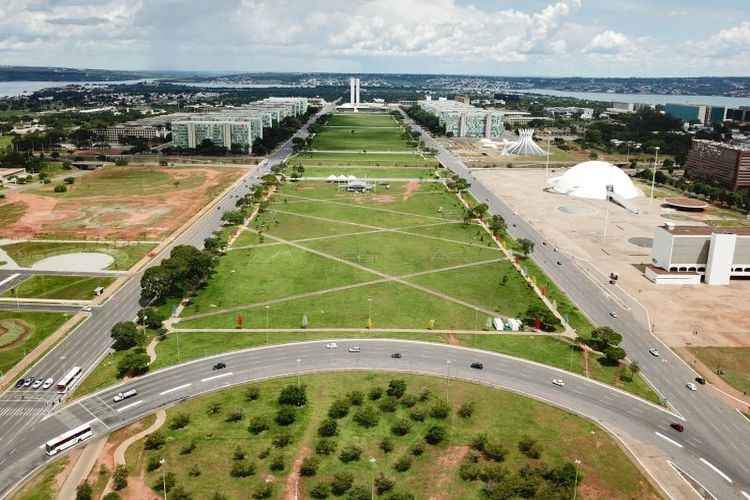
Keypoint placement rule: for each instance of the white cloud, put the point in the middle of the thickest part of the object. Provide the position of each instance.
(609, 42)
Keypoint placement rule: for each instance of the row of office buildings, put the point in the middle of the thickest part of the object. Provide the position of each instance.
(464, 120)
(707, 115)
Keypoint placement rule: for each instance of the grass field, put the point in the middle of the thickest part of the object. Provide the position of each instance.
(365, 159)
(360, 139)
(5, 142)
(11, 212)
(371, 172)
(28, 329)
(27, 253)
(731, 363)
(361, 120)
(202, 453)
(43, 485)
(59, 287)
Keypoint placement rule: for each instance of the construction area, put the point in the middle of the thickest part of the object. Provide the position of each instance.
(680, 315)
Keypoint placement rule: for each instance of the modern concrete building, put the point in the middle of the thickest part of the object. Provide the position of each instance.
(464, 120)
(684, 254)
(116, 133)
(725, 163)
(570, 112)
(236, 125)
(708, 115)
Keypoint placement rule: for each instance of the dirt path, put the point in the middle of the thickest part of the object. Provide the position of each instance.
(448, 462)
(452, 339)
(586, 363)
(81, 468)
(151, 350)
(410, 189)
(291, 484)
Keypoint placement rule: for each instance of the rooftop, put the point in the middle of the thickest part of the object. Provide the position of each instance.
(706, 230)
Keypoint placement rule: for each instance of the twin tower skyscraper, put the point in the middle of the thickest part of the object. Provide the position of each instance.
(354, 92)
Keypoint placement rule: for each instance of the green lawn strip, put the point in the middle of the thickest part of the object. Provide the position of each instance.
(59, 287)
(29, 252)
(41, 324)
(393, 305)
(295, 227)
(370, 173)
(249, 238)
(503, 416)
(365, 159)
(361, 120)
(10, 213)
(43, 485)
(398, 254)
(360, 139)
(260, 274)
(498, 287)
(354, 214)
(5, 141)
(565, 306)
(732, 364)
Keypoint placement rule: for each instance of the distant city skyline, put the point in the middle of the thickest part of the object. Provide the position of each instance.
(617, 38)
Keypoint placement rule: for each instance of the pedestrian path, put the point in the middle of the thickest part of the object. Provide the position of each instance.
(22, 411)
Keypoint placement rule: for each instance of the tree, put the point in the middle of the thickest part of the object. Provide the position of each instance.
(264, 490)
(435, 434)
(156, 283)
(120, 477)
(366, 416)
(339, 409)
(180, 421)
(539, 313)
(466, 410)
(84, 491)
(154, 441)
(309, 466)
(386, 444)
(125, 335)
(293, 395)
(497, 224)
(60, 188)
(285, 416)
(614, 354)
(242, 469)
(341, 483)
(351, 453)
(233, 217)
(401, 427)
(328, 428)
(135, 362)
(396, 388)
(530, 447)
(320, 490)
(527, 246)
(383, 484)
(440, 410)
(325, 447)
(257, 425)
(403, 464)
(604, 336)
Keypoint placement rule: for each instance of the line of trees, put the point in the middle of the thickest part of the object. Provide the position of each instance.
(186, 269)
(274, 136)
(707, 189)
(426, 120)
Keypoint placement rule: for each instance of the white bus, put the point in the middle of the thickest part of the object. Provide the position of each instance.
(69, 378)
(70, 438)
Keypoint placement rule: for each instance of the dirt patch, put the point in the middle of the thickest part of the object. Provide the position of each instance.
(151, 213)
(72, 460)
(448, 462)
(453, 339)
(291, 485)
(410, 189)
(12, 333)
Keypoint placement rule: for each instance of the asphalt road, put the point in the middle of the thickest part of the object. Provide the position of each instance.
(22, 408)
(725, 432)
(621, 413)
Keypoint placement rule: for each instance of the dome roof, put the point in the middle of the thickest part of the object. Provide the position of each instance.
(590, 180)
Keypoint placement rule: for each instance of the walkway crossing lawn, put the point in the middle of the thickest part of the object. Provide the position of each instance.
(59, 287)
(260, 274)
(365, 159)
(28, 330)
(126, 255)
(362, 120)
(361, 139)
(291, 226)
(371, 173)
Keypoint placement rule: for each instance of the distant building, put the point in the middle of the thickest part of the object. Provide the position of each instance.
(716, 161)
(684, 254)
(464, 99)
(508, 97)
(741, 114)
(707, 115)
(463, 120)
(116, 133)
(570, 112)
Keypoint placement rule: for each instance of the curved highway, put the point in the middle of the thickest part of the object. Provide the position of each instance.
(631, 419)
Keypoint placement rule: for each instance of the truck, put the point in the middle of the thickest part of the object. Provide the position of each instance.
(121, 396)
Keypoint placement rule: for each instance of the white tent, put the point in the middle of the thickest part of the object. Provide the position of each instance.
(590, 180)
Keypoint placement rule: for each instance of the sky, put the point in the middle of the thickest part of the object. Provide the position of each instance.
(605, 38)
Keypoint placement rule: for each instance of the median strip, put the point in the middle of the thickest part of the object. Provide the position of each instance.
(208, 379)
(668, 439)
(717, 470)
(135, 403)
(173, 389)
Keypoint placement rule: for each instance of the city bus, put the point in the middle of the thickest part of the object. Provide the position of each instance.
(64, 383)
(70, 438)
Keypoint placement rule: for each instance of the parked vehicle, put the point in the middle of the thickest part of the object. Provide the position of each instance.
(613, 314)
(691, 386)
(477, 366)
(121, 396)
(700, 380)
(677, 426)
(20, 383)
(47, 383)
(28, 381)
(37, 384)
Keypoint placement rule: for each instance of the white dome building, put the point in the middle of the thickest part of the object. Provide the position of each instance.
(590, 180)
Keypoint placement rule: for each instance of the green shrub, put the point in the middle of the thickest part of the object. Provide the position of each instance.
(258, 425)
(375, 393)
(180, 421)
(242, 469)
(320, 490)
(282, 440)
(285, 416)
(409, 400)
(366, 416)
(325, 447)
(396, 388)
(153, 463)
(401, 427)
(328, 428)
(235, 416)
(339, 409)
(293, 395)
(194, 471)
(350, 454)
(309, 466)
(383, 484)
(418, 414)
(403, 464)
(120, 477)
(466, 410)
(252, 393)
(469, 471)
(277, 463)
(530, 447)
(263, 490)
(386, 445)
(435, 435)
(417, 449)
(341, 483)
(495, 452)
(188, 448)
(154, 441)
(359, 493)
(239, 454)
(355, 398)
(440, 410)
(388, 405)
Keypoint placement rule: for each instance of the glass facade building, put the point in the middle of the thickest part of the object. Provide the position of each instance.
(464, 120)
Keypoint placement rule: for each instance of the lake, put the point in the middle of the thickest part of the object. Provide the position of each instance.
(711, 100)
(12, 89)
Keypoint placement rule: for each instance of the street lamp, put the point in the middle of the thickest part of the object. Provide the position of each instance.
(163, 463)
(575, 484)
(299, 375)
(653, 176)
(372, 478)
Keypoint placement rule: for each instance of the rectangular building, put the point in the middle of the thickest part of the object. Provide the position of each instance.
(464, 120)
(116, 133)
(724, 163)
(689, 112)
(717, 254)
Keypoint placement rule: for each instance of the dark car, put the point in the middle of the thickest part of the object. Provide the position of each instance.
(700, 380)
(677, 426)
(477, 366)
(20, 382)
(220, 365)
(396, 355)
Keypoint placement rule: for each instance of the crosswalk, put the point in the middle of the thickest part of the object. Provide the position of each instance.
(23, 411)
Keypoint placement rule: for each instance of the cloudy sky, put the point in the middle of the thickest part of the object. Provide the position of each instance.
(494, 37)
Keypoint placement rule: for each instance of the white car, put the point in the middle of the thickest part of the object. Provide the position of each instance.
(37, 384)
(86, 309)
(558, 382)
(691, 386)
(654, 352)
(332, 345)
(47, 383)
(355, 349)
(121, 396)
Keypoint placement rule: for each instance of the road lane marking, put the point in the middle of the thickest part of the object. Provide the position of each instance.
(93, 415)
(717, 470)
(9, 279)
(746, 495)
(183, 386)
(668, 439)
(208, 379)
(135, 403)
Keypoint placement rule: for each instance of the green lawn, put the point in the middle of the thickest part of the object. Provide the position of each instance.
(5, 142)
(10, 213)
(43, 486)
(24, 331)
(59, 287)
(731, 363)
(365, 159)
(370, 173)
(29, 252)
(211, 441)
(362, 120)
(360, 139)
